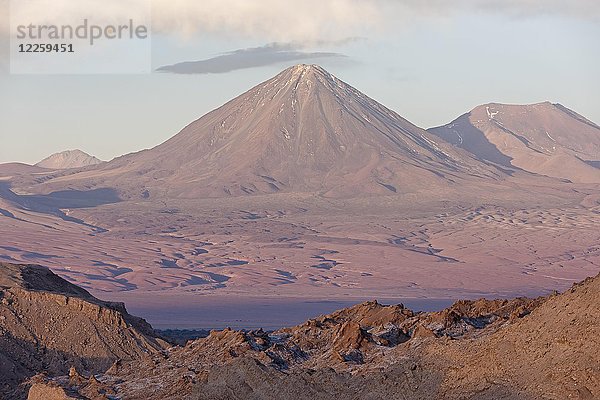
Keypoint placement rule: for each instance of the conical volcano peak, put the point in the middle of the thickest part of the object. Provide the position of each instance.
(303, 69)
(308, 75)
(303, 130)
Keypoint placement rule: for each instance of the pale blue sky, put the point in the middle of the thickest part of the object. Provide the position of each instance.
(428, 68)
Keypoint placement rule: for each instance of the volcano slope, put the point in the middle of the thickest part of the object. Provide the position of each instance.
(544, 348)
(301, 189)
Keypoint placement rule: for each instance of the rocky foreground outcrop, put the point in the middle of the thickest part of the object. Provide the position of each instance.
(48, 325)
(545, 348)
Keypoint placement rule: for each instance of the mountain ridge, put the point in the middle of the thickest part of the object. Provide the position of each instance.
(303, 130)
(542, 138)
(484, 349)
(49, 325)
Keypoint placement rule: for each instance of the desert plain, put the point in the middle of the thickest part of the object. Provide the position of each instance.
(303, 195)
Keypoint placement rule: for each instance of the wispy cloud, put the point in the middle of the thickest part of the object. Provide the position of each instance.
(282, 21)
(274, 20)
(587, 9)
(272, 53)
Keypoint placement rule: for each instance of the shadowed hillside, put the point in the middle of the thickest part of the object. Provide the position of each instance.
(484, 349)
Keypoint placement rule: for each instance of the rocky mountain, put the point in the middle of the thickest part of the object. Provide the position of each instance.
(68, 159)
(49, 325)
(484, 349)
(302, 131)
(547, 139)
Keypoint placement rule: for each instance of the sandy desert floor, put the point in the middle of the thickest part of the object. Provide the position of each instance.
(276, 260)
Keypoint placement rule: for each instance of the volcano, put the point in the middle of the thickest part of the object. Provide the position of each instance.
(304, 130)
(68, 159)
(543, 138)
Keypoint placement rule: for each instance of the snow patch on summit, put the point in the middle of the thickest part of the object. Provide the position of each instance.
(491, 114)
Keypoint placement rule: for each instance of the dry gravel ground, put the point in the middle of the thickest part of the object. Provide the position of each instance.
(293, 247)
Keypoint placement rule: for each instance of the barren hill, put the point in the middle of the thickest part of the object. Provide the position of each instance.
(485, 349)
(8, 170)
(48, 325)
(302, 131)
(553, 353)
(68, 159)
(547, 139)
